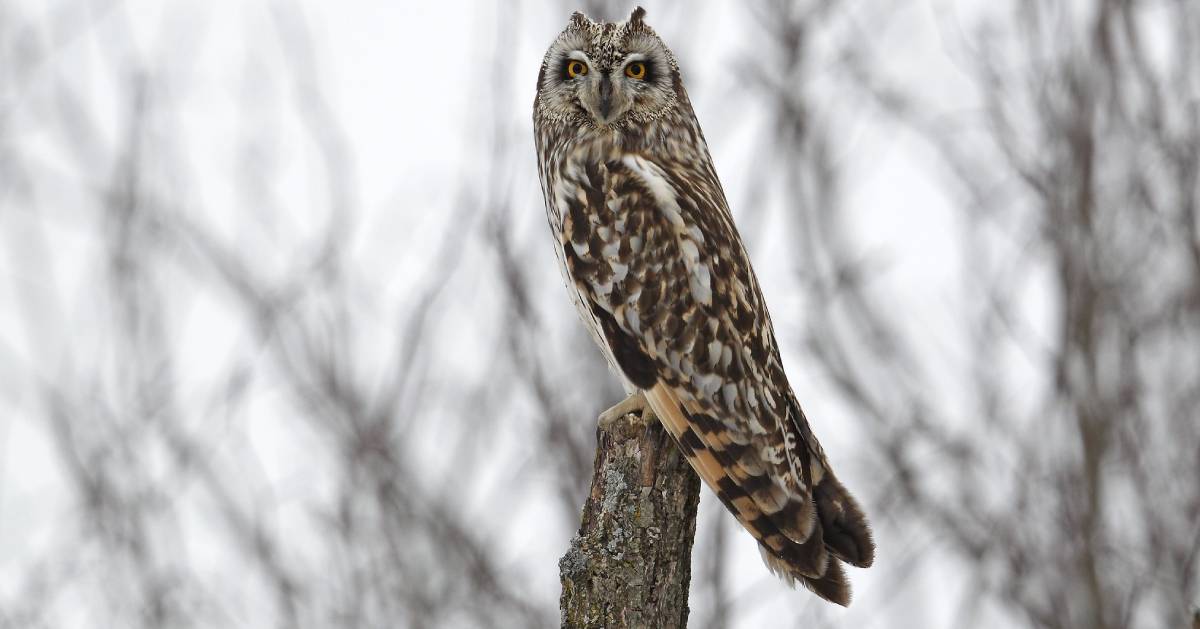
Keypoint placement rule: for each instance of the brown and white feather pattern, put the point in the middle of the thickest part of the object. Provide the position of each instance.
(655, 264)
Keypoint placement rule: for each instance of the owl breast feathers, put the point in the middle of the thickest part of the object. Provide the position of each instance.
(656, 267)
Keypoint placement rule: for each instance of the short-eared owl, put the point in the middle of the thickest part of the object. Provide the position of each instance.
(659, 274)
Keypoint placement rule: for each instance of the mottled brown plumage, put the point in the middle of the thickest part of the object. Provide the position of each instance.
(659, 274)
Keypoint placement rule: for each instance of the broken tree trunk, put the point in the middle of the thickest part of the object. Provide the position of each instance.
(630, 563)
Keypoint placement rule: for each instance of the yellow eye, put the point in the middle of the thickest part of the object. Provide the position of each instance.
(636, 70)
(576, 68)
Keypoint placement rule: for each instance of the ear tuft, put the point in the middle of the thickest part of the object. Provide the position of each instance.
(635, 19)
(579, 20)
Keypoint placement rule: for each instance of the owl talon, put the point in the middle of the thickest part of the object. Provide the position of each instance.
(634, 404)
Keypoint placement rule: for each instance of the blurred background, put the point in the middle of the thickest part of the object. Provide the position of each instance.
(283, 342)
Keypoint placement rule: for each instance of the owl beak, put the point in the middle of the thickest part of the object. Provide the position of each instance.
(606, 91)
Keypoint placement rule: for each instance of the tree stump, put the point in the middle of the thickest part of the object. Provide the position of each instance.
(630, 563)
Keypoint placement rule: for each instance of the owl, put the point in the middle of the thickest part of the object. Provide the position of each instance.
(655, 266)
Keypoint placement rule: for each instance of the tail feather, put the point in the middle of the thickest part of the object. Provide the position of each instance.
(847, 534)
(843, 531)
(832, 586)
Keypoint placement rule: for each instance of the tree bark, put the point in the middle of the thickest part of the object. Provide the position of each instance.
(630, 563)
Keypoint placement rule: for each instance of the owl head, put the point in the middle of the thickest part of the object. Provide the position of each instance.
(607, 75)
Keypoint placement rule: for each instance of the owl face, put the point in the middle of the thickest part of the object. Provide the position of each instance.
(607, 75)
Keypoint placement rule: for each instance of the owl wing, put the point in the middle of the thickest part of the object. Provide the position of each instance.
(654, 254)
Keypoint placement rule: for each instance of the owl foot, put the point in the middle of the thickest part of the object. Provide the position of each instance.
(634, 404)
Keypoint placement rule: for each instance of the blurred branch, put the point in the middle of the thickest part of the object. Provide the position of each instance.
(1077, 177)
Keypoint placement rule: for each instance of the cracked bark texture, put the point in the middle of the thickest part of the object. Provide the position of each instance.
(630, 563)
